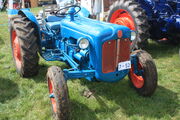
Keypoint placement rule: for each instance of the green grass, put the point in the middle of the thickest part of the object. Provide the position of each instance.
(27, 99)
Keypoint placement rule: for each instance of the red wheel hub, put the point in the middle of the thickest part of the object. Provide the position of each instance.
(138, 81)
(51, 89)
(16, 49)
(123, 17)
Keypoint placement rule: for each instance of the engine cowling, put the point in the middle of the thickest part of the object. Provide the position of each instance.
(109, 45)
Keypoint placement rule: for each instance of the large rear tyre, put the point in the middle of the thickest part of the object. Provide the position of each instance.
(58, 91)
(24, 46)
(144, 80)
(130, 14)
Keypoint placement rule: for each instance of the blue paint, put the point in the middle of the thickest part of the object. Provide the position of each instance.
(84, 12)
(71, 12)
(134, 62)
(32, 18)
(29, 15)
(15, 11)
(12, 11)
(163, 16)
(51, 95)
(60, 43)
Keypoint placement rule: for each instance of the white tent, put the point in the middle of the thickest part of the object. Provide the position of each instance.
(1, 4)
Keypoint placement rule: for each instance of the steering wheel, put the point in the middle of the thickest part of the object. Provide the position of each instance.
(58, 13)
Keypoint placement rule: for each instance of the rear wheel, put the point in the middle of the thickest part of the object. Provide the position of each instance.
(130, 14)
(143, 73)
(24, 46)
(58, 91)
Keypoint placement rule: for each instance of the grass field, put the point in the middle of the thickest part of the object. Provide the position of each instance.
(27, 99)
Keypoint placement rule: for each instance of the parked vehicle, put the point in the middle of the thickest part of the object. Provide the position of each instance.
(94, 50)
(155, 19)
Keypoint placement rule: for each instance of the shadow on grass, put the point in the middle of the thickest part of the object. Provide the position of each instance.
(8, 90)
(158, 50)
(41, 77)
(163, 102)
(81, 111)
(155, 49)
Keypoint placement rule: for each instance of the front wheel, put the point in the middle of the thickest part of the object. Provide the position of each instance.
(143, 73)
(58, 93)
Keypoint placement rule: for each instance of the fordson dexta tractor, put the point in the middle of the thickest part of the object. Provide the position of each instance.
(156, 19)
(94, 50)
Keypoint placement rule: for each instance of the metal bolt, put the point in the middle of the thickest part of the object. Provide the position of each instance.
(109, 42)
(51, 95)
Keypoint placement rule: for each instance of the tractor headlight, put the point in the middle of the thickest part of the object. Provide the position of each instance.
(133, 35)
(83, 43)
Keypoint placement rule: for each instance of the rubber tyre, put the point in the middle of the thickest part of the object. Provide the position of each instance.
(139, 17)
(27, 40)
(55, 78)
(149, 75)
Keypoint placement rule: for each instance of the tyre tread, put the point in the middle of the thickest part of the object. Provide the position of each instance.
(28, 43)
(139, 16)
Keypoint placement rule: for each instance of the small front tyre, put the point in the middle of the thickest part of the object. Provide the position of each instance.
(58, 93)
(143, 75)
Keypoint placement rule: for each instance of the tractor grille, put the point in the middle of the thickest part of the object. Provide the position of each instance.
(113, 52)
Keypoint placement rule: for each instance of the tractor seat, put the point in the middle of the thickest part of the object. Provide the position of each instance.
(53, 25)
(53, 18)
(53, 22)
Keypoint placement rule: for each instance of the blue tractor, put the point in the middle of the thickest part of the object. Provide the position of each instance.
(94, 50)
(156, 19)
(164, 18)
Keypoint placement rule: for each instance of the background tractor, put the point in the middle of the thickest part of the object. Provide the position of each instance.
(156, 19)
(94, 50)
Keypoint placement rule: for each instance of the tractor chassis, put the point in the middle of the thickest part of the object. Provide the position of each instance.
(76, 71)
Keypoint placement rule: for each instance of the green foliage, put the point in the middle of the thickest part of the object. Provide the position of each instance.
(27, 99)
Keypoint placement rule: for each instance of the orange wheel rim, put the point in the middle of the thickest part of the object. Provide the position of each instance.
(123, 17)
(16, 49)
(51, 91)
(138, 81)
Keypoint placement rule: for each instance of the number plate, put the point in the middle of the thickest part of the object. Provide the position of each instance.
(124, 65)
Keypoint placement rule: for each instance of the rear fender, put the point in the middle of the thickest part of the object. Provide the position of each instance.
(32, 18)
(29, 15)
